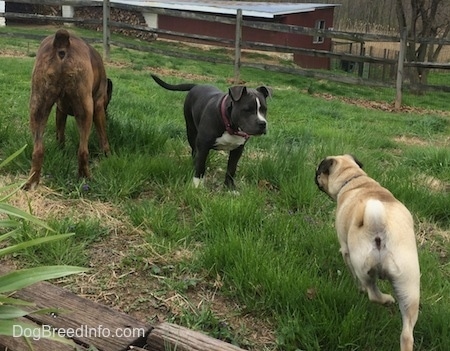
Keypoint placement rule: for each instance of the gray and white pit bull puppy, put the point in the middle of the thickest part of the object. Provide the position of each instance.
(220, 121)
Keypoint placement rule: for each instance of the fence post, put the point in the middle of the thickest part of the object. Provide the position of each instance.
(2, 14)
(106, 30)
(401, 59)
(68, 11)
(237, 46)
(361, 65)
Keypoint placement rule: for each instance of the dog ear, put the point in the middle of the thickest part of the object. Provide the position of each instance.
(267, 92)
(237, 91)
(325, 165)
(322, 173)
(358, 162)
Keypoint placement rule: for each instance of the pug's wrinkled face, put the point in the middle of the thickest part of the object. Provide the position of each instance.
(334, 171)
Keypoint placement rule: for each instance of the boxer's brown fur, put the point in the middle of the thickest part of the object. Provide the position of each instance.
(70, 73)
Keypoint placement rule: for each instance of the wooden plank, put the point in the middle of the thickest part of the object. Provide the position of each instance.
(36, 17)
(197, 37)
(93, 324)
(167, 336)
(313, 52)
(170, 53)
(60, 2)
(289, 28)
(84, 321)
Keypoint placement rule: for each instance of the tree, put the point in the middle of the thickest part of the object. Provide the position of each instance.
(423, 19)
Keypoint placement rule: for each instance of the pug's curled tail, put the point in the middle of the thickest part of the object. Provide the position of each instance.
(61, 43)
(375, 222)
(379, 262)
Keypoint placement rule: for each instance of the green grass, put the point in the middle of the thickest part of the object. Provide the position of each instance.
(72, 252)
(272, 244)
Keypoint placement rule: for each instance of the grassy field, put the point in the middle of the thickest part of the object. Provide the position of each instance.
(260, 268)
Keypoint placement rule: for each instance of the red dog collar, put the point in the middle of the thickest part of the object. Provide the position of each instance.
(227, 121)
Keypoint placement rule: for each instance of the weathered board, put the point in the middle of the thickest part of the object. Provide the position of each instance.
(86, 322)
(167, 336)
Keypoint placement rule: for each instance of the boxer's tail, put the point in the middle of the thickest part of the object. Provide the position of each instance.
(61, 43)
(179, 87)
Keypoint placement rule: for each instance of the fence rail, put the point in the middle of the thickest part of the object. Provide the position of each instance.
(362, 60)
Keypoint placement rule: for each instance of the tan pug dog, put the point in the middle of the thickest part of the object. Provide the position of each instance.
(376, 234)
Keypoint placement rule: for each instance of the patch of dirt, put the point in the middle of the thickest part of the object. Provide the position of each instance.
(442, 141)
(436, 239)
(11, 53)
(434, 184)
(382, 106)
(411, 140)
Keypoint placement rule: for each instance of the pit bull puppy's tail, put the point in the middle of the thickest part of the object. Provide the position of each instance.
(61, 43)
(179, 87)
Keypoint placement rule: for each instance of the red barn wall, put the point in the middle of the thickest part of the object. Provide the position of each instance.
(227, 31)
(309, 19)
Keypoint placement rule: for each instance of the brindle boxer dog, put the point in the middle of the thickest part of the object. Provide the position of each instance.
(70, 73)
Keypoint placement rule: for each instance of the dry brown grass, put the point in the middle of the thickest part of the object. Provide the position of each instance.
(46, 203)
(436, 239)
(443, 141)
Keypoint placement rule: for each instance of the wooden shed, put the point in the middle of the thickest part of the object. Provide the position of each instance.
(310, 15)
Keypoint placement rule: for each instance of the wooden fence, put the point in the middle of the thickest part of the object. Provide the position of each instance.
(360, 66)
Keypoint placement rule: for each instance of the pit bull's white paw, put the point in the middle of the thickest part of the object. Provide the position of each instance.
(198, 182)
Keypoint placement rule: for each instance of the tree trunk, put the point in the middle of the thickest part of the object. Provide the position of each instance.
(424, 22)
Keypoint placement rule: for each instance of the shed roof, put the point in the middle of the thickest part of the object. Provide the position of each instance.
(253, 9)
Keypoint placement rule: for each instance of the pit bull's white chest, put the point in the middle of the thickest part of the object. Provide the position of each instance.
(228, 142)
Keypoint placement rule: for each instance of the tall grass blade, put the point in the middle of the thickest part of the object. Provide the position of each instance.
(18, 213)
(21, 279)
(10, 312)
(16, 187)
(14, 248)
(13, 156)
(6, 300)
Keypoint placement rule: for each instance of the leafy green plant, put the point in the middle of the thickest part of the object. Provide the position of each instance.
(11, 225)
